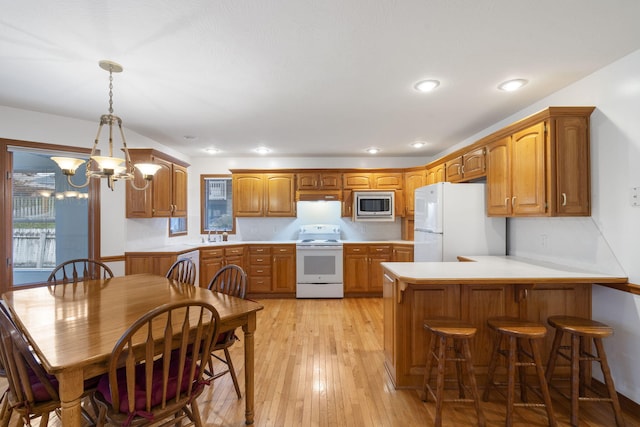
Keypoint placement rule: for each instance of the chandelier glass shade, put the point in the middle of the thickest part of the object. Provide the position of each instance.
(108, 167)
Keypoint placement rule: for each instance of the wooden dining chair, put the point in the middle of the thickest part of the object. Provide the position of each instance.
(31, 391)
(156, 368)
(76, 270)
(231, 280)
(183, 270)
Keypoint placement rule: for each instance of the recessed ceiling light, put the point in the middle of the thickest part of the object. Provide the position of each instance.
(373, 150)
(418, 144)
(190, 137)
(426, 85)
(262, 150)
(511, 85)
(212, 150)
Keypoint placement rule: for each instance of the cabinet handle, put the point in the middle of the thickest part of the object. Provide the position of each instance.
(513, 201)
(506, 201)
(564, 199)
(462, 169)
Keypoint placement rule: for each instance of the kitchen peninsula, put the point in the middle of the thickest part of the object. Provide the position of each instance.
(474, 291)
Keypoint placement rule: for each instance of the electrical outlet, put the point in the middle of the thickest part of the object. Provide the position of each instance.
(544, 241)
(635, 197)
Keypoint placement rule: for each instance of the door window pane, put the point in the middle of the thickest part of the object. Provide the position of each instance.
(50, 218)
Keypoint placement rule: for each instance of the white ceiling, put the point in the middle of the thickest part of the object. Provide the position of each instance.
(304, 77)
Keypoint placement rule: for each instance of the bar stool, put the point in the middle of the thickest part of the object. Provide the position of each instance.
(581, 330)
(516, 333)
(452, 335)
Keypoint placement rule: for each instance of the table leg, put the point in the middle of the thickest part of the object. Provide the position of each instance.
(248, 329)
(71, 390)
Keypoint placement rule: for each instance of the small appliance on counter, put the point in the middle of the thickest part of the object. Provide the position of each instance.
(451, 220)
(319, 262)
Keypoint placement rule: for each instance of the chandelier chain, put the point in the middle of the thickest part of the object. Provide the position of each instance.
(110, 91)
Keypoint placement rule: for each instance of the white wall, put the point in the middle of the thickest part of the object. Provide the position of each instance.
(610, 239)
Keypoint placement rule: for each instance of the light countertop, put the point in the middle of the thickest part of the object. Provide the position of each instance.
(494, 269)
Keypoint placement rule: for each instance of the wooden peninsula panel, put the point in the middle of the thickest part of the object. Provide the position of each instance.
(474, 292)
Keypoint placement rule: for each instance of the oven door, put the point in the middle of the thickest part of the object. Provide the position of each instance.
(319, 264)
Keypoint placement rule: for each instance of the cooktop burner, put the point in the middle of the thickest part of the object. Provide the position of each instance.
(319, 235)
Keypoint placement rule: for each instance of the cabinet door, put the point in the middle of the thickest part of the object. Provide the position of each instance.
(248, 195)
(453, 170)
(330, 181)
(283, 274)
(412, 180)
(528, 172)
(347, 203)
(473, 164)
(402, 253)
(498, 178)
(356, 268)
(573, 189)
(208, 268)
(307, 180)
(280, 195)
(161, 193)
(179, 191)
(357, 181)
(377, 255)
(436, 174)
(387, 181)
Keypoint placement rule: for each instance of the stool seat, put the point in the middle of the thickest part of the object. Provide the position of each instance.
(517, 328)
(518, 342)
(449, 342)
(451, 327)
(578, 325)
(582, 332)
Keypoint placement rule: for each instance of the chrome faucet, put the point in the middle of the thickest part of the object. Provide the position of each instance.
(209, 236)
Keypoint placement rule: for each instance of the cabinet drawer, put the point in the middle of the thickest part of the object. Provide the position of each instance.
(235, 251)
(259, 284)
(260, 270)
(257, 250)
(354, 249)
(259, 260)
(379, 249)
(283, 250)
(211, 253)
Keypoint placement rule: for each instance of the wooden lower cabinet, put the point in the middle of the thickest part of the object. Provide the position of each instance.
(402, 253)
(272, 270)
(144, 262)
(362, 269)
(405, 339)
(213, 259)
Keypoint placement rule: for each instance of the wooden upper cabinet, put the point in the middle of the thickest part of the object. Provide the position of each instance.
(498, 178)
(319, 180)
(357, 180)
(372, 180)
(572, 195)
(248, 194)
(258, 194)
(387, 180)
(528, 180)
(412, 179)
(436, 174)
(166, 195)
(280, 195)
(542, 169)
(470, 165)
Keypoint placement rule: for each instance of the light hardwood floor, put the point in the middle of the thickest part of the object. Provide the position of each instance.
(320, 363)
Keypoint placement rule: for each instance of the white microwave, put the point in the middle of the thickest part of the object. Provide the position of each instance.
(373, 206)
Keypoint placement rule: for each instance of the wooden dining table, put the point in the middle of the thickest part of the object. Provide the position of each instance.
(74, 327)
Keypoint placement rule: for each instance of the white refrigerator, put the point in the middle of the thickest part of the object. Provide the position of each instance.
(451, 220)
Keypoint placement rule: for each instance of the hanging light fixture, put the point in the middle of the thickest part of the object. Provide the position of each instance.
(108, 167)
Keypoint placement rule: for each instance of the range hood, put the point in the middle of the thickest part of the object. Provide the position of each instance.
(317, 195)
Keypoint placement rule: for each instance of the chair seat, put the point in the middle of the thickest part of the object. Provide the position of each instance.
(450, 327)
(156, 385)
(581, 326)
(517, 328)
